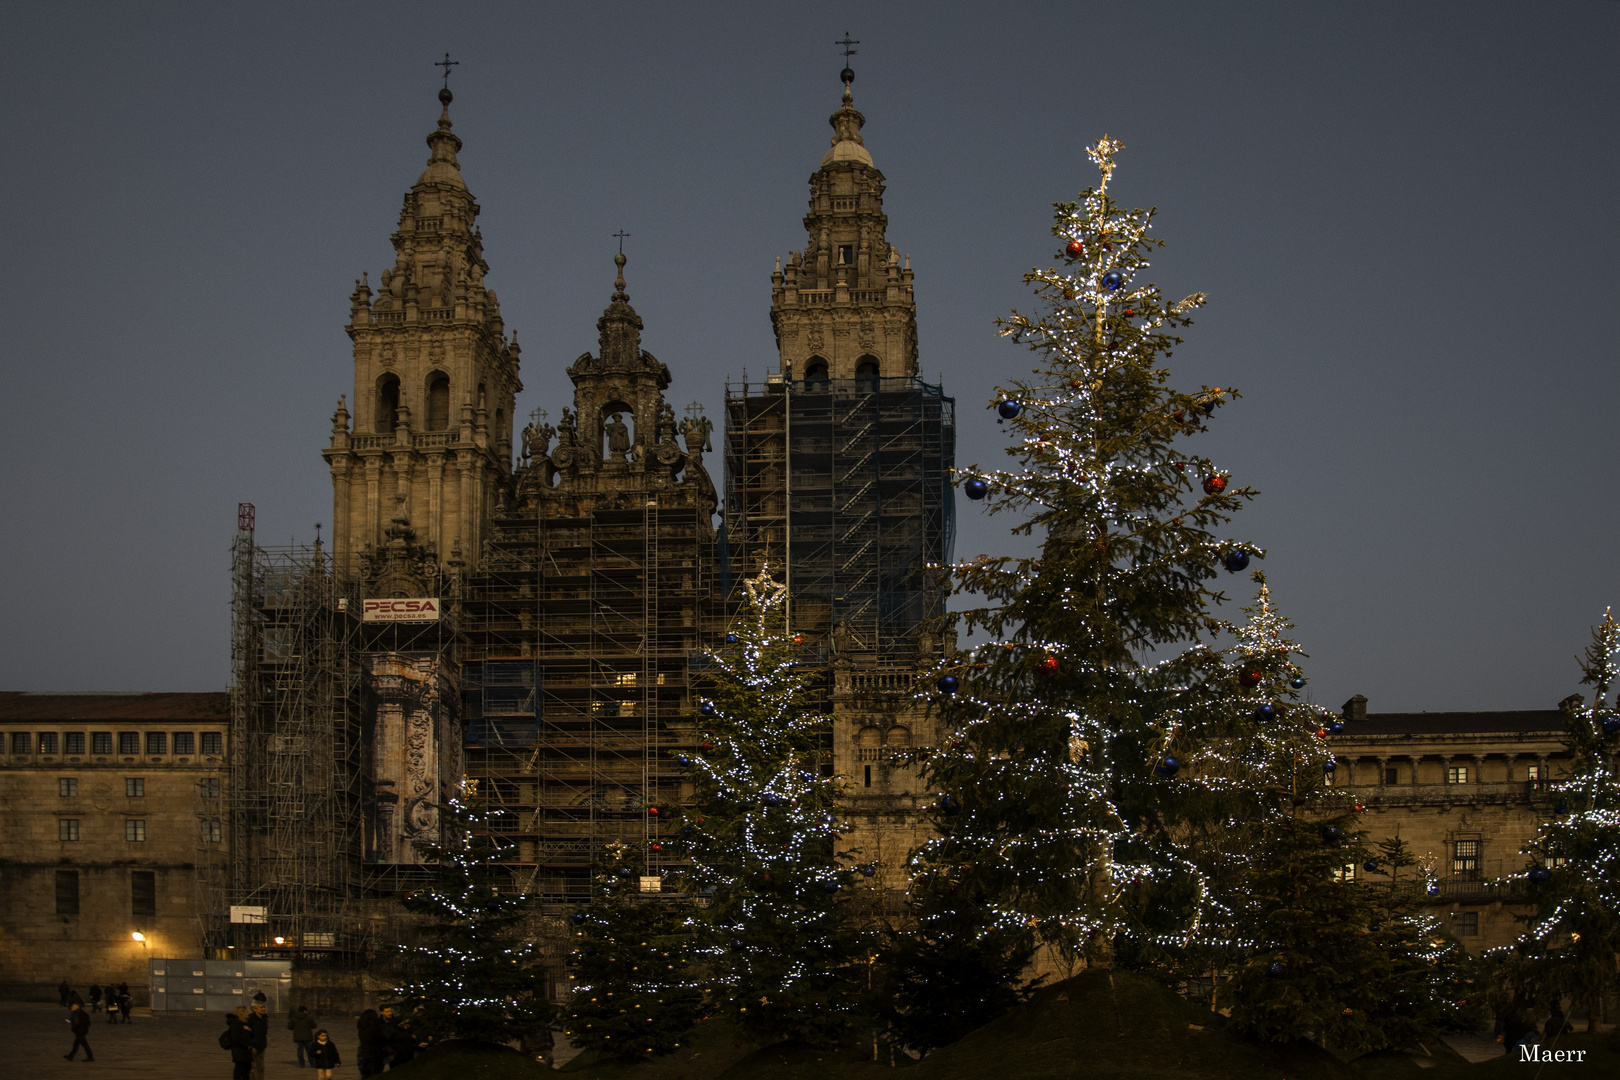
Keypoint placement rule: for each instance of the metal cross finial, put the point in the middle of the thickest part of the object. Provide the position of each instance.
(620, 236)
(448, 63)
(846, 43)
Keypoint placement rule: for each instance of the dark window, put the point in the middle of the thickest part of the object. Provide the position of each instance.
(67, 892)
(129, 742)
(22, 742)
(1465, 860)
(387, 405)
(73, 742)
(815, 370)
(213, 742)
(157, 742)
(47, 742)
(846, 254)
(185, 742)
(1465, 924)
(438, 403)
(67, 828)
(208, 787)
(67, 787)
(868, 776)
(101, 742)
(867, 368)
(210, 829)
(142, 892)
(135, 786)
(1390, 776)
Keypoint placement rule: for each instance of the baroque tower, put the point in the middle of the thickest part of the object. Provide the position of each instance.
(435, 378)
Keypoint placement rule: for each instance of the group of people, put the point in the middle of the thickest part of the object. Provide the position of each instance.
(386, 1041)
(116, 996)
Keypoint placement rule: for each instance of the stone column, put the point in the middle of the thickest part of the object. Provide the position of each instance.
(1383, 770)
(1479, 768)
(341, 556)
(1413, 759)
(373, 500)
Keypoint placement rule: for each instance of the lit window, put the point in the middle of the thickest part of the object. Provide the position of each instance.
(67, 787)
(67, 828)
(1465, 860)
(73, 742)
(1532, 772)
(157, 742)
(134, 829)
(129, 742)
(1457, 774)
(185, 742)
(1465, 923)
(1347, 872)
(208, 787)
(209, 830)
(134, 787)
(101, 742)
(213, 742)
(22, 742)
(47, 742)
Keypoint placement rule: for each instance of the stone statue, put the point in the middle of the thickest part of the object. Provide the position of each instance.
(618, 437)
(537, 440)
(697, 430)
(843, 638)
(566, 431)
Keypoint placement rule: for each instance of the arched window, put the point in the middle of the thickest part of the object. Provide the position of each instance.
(438, 401)
(815, 370)
(387, 414)
(898, 737)
(866, 368)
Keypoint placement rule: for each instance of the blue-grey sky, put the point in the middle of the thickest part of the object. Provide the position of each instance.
(1404, 216)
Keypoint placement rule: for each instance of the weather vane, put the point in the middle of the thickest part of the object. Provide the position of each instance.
(620, 236)
(448, 63)
(846, 43)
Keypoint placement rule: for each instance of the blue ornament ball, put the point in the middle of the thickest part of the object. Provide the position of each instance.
(1611, 724)
(1113, 280)
(1371, 866)
(1434, 888)
(829, 886)
(578, 917)
(1540, 876)
(1561, 809)
(1266, 713)
(1336, 728)
(1297, 682)
(868, 871)
(625, 872)
(1009, 409)
(1375, 927)
(683, 759)
(950, 806)
(1332, 834)
(738, 944)
(707, 708)
(731, 639)
(1329, 765)
(948, 684)
(1275, 970)
(1168, 767)
(1236, 560)
(975, 489)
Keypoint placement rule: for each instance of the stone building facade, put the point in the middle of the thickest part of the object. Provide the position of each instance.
(109, 804)
(1467, 791)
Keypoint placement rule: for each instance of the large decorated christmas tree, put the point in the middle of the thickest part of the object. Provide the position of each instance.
(475, 975)
(761, 833)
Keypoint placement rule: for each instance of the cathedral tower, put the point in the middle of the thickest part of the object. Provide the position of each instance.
(843, 306)
(435, 378)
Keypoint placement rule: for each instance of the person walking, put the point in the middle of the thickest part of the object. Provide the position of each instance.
(95, 998)
(240, 1042)
(369, 1030)
(79, 1021)
(323, 1055)
(123, 989)
(302, 1025)
(125, 1004)
(258, 1022)
(63, 988)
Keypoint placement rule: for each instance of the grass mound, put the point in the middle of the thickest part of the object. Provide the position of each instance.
(462, 1059)
(706, 1052)
(1119, 1024)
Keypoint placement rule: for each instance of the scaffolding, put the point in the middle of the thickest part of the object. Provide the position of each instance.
(294, 800)
(847, 482)
(578, 636)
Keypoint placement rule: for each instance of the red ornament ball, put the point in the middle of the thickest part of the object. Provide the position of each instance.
(798, 639)
(1321, 733)
(1075, 249)
(1249, 679)
(653, 810)
(1214, 485)
(1049, 665)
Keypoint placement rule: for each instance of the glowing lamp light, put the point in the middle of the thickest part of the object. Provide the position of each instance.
(137, 936)
(280, 940)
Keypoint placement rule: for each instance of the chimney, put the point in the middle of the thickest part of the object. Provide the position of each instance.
(1355, 709)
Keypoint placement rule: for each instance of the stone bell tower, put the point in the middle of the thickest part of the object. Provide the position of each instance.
(843, 307)
(435, 378)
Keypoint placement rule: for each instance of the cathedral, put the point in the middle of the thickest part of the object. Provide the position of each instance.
(527, 608)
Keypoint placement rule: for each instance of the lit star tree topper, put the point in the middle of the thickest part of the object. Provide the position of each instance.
(761, 833)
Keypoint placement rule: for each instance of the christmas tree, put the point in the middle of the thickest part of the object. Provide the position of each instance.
(1068, 724)
(476, 976)
(761, 833)
(1575, 873)
(634, 994)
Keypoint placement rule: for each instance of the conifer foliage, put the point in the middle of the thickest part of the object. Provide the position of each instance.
(1070, 724)
(761, 833)
(1574, 874)
(475, 976)
(634, 995)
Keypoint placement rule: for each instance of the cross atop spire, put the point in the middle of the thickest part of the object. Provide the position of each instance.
(620, 236)
(448, 63)
(846, 43)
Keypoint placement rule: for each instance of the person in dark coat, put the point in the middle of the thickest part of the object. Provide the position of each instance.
(79, 1020)
(302, 1025)
(258, 1022)
(125, 1004)
(323, 1055)
(1557, 1024)
(95, 998)
(369, 1030)
(123, 989)
(63, 988)
(241, 1040)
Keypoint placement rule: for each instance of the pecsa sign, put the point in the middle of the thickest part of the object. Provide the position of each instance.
(418, 610)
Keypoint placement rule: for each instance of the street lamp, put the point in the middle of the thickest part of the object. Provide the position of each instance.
(138, 936)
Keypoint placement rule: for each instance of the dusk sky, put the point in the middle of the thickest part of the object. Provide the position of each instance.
(1405, 217)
